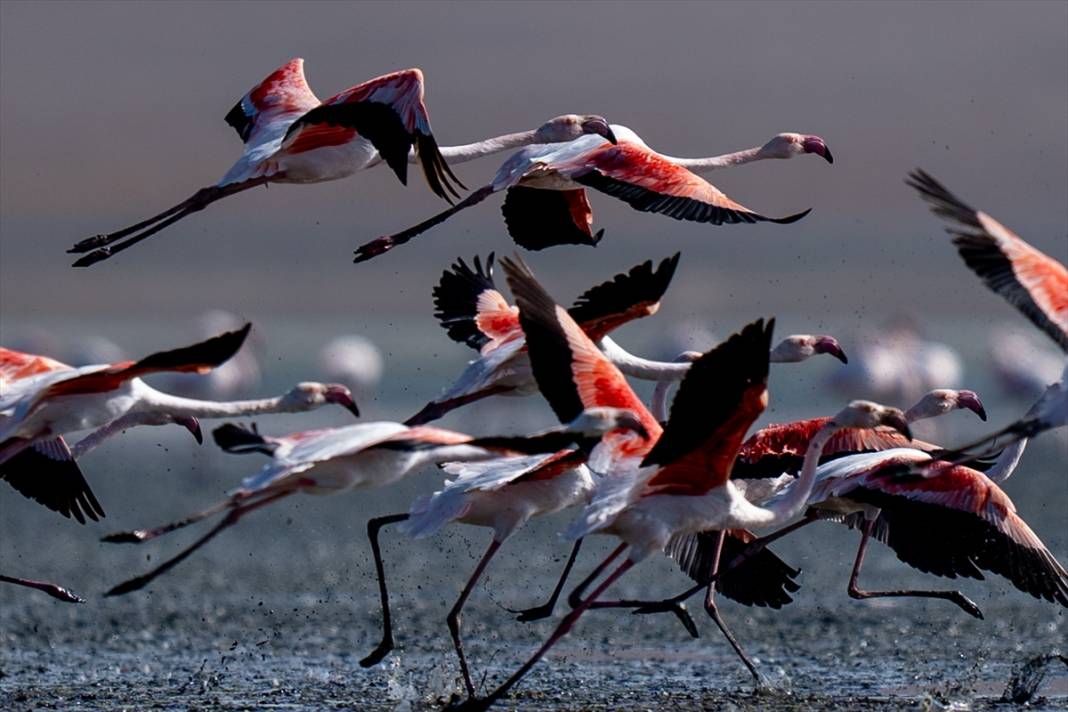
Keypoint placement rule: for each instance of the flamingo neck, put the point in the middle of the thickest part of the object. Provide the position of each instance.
(791, 502)
(487, 147)
(94, 439)
(712, 163)
(153, 400)
(1007, 461)
(638, 367)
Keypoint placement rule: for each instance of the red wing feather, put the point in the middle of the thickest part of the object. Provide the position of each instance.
(15, 365)
(283, 95)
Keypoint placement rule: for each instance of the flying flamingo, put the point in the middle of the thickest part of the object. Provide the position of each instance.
(680, 484)
(1033, 282)
(292, 137)
(473, 312)
(50, 401)
(546, 204)
(769, 461)
(361, 456)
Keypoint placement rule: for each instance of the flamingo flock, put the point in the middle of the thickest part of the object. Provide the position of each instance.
(690, 480)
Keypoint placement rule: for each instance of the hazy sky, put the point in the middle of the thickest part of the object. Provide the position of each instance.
(110, 112)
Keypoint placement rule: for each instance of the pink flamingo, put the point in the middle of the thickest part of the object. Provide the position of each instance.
(360, 456)
(546, 201)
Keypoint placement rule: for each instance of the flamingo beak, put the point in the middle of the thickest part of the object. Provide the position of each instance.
(970, 400)
(629, 421)
(896, 420)
(599, 125)
(193, 426)
(342, 396)
(830, 345)
(815, 144)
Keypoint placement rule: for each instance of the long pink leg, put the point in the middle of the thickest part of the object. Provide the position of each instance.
(50, 588)
(713, 613)
(546, 609)
(453, 619)
(438, 409)
(232, 518)
(561, 630)
(136, 536)
(386, 645)
(854, 592)
(387, 242)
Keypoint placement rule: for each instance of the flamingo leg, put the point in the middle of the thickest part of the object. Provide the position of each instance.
(101, 247)
(387, 242)
(438, 409)
(50, 588)
(760, 544)
(232, 518)
(546, 609)
(453, 619)
(136, 536)
(561, 630)
(386, 645)
(713, 612)
(854, 592)
(574, 599)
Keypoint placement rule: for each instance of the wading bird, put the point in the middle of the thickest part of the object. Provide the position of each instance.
(52, 401)
(546, 204)
(361, 456)
(291, 136)
(680, 484)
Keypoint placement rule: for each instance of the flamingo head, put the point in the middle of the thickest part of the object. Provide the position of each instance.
(789, 145)
(866, 415)
(571, 126)
(192, 425)
(800, 347)
(595, 422)
(943, 400)
(310, 395)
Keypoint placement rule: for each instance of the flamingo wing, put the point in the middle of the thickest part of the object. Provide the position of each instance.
(470, 308)
(47, 473)
(781, 447)
(762, 579)
(537, 218)
(1030, 280)
(628, 296)
(570, 370)
(387, 111)
(16, 365)
(953, 521)
(282, 97)
(721, 395)
(648, 182)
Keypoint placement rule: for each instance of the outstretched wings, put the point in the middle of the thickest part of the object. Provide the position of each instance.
(1030, 280)
(722, 394)
(387, 111)
(280, 98)
(537, 218)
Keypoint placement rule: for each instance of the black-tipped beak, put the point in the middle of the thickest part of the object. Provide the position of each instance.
(193, 426)
(970, 400)
(815, 144)
(896, 420)
(342, 397)
(611, 136)
(830, 345)
(633, 423)
(599, 125)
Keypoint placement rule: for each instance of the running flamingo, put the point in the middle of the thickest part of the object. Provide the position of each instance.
(51, 400)
(361, 456)
(546, 204)
(681, 484)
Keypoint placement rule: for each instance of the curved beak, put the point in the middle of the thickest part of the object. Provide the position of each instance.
(343, 397)
(970, 400)
(599, 125)
(830, 345)
(896, 420)
(193, 426)
(815, 144)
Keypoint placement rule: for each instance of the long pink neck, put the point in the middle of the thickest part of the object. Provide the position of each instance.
(712, 163)
(158, 401)
(487, 147)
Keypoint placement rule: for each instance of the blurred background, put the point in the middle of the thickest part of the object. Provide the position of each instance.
(110, 112)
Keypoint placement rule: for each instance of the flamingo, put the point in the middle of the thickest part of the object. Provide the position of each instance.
(1033, 282)
(291, 136)
(473, 312)
(769, 461)
(681, 484)
(546, 204)
(360, 456)
(49, 400)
